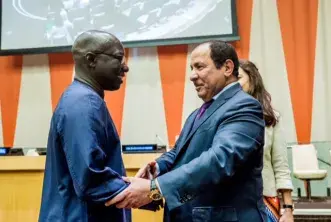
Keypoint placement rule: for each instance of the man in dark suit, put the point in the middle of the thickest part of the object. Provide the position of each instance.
(214, 171)
(84, 166)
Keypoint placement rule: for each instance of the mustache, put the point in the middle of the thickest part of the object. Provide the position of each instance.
(197, 84)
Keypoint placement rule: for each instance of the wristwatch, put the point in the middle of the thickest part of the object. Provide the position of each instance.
(155, 194)
(288, 206)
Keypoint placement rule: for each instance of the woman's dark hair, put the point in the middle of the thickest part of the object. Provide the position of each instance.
(258, 91)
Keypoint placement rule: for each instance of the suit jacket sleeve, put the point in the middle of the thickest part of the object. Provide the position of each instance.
(166, 161)
(83, 137)
(237, 136)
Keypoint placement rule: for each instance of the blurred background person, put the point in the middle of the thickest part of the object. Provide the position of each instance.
(276, 172)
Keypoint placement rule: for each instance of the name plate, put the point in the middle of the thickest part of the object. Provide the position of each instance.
(139, 148)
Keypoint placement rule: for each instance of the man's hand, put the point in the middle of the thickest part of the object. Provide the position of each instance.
(135, 196)
(287, 216)
(149, 171)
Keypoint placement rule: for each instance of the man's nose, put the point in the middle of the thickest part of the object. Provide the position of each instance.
(193, 76)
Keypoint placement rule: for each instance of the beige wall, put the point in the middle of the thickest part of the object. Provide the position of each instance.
(158, 95)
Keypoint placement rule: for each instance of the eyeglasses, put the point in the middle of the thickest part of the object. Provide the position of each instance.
(118, 57)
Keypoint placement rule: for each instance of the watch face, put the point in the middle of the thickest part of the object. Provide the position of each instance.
(288, 206)
(156, 196)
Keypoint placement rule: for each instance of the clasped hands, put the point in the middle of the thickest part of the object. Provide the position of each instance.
(137, 193)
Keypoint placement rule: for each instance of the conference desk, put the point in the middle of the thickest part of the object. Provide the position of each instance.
(21, 181)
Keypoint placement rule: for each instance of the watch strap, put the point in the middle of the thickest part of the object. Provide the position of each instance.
(288, 206)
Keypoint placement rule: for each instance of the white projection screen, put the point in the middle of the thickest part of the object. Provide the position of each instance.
(42, 26)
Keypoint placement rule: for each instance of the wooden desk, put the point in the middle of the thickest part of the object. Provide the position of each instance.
(21, 181)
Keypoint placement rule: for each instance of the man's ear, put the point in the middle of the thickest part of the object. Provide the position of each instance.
(91, 59)
(229, 66)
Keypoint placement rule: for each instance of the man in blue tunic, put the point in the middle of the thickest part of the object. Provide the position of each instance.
(84, 166)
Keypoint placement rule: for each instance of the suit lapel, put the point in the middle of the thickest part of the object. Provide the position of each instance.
(188, 127)
(230, 92)
(216, 104)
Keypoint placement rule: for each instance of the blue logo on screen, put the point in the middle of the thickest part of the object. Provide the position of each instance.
(139, 148)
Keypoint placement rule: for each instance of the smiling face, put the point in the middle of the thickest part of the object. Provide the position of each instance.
(110, 67)
(206, 77)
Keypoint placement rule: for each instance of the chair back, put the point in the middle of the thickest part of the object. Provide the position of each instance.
(304, 157)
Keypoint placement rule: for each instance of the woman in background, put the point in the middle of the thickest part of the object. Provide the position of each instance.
(275, 173)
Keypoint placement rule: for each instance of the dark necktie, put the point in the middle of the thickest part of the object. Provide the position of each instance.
(203, 108)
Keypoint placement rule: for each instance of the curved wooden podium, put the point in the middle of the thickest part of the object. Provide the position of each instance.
(21, 180)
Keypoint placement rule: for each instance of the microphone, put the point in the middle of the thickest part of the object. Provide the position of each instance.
(164, 144)
(160, 139)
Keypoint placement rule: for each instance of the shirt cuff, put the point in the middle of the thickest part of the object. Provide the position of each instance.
(157, 169)
(158, 186)
(284, 184)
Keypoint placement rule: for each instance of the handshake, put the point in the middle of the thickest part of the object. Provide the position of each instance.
(141, 191)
